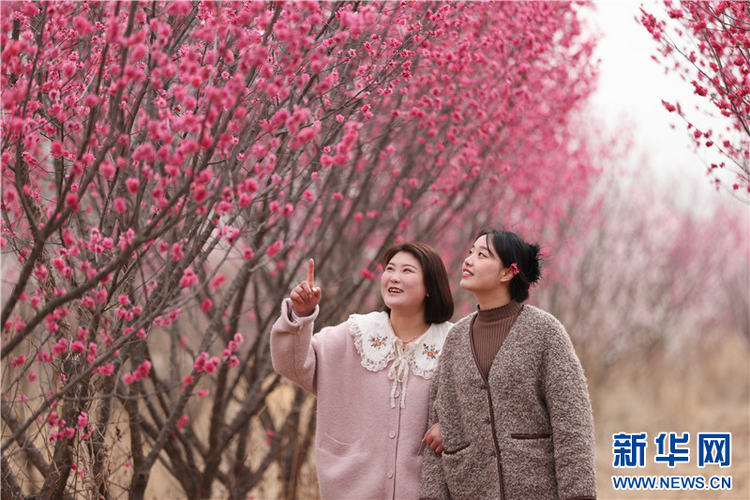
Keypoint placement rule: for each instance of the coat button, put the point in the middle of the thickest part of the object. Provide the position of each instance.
(487, 420)
(392, 434)
(390, 474)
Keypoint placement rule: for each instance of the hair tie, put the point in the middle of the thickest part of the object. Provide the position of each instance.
(514, 268)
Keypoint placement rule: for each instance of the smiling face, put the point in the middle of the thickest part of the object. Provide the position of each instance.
(482, 270)
(402, 284)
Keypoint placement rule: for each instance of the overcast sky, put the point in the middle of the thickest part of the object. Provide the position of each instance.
(631, 84)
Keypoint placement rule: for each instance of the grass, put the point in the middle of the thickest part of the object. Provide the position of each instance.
(697, 388)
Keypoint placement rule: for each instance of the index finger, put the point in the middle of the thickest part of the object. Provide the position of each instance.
(311, 273)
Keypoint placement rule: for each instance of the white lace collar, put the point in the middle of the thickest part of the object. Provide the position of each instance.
(377, 344)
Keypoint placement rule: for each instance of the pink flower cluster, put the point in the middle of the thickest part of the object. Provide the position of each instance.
(205, 364)
(706, 43)
(140, 373)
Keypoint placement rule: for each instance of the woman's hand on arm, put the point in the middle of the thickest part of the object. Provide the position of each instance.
(433, 438)
(306, 296)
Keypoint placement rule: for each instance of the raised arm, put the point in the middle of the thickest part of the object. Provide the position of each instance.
(292, 351)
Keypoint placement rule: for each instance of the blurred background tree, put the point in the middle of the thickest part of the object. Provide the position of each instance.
(169, 167)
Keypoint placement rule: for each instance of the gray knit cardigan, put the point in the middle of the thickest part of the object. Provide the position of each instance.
(526, 432)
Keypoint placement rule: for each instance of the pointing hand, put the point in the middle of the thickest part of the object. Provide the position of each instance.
(306, 295)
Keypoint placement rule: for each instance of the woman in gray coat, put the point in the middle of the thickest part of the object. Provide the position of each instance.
(510, 394)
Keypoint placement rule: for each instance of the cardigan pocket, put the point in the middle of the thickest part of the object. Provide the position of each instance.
(337, 463)
(529, 465)
(456, 449)
(460, 465)
(338, 448)
(530, 436)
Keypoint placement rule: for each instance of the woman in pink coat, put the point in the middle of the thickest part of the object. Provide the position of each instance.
(371, 375)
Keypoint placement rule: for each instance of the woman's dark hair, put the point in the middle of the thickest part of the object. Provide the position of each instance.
(511, 249)
(438, 306)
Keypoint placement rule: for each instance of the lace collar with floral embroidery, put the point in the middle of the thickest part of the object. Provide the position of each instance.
(377, 344)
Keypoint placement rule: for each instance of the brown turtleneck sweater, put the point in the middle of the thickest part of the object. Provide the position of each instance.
(488, 331)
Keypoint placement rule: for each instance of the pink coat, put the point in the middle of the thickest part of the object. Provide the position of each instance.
(369, 436)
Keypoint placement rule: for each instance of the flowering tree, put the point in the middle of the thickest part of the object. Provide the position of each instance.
(708, 45)
(167, 169)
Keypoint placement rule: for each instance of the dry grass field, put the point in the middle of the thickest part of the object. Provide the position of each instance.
(690, 389)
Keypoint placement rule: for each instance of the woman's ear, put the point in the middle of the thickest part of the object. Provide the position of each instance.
(506, 274)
